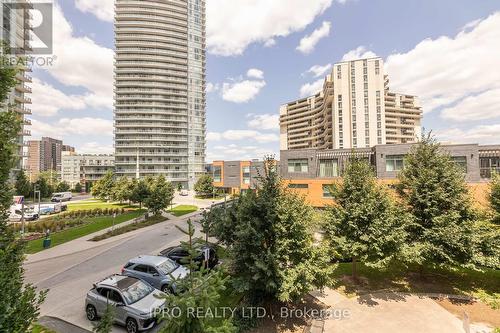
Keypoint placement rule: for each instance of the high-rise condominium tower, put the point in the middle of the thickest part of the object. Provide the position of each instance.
(15, 26)
(160, 89)
(355, 109)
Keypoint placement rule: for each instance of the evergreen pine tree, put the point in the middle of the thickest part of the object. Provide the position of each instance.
(271, 243)
(436, 194)
(202, 290)
(364, 223)
(105, 324)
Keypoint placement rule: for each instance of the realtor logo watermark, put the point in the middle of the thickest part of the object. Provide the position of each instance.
(28, 27)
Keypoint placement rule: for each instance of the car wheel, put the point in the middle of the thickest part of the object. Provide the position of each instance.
(131, 326)
(167, 289)
(91, 313)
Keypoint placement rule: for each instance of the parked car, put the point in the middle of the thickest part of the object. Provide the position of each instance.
(134, 300)
(205, 254)
(61, 197)
(161, 272)
(48, 209)
(15, 215)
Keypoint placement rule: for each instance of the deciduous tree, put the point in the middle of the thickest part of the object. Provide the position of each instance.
(19, 302)
(204, 186)
(140, 191)
(495, 195)
(161, 194)
(103, 188)
(122, 190)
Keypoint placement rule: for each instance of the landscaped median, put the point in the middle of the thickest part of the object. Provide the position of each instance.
(96, 203)
(67, 229)
(130, 227)
(183, 210)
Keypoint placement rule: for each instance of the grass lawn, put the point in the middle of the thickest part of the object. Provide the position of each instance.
(129, 227)
(483, 285)
(94, 203)
(40, 329)
(94, 224)
(183, 210)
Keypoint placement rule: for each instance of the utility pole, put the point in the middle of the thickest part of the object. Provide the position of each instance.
(137, 172)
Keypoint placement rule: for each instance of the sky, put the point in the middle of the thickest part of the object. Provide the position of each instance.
(262, 54)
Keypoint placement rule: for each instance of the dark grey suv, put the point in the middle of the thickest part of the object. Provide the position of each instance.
(160, 272)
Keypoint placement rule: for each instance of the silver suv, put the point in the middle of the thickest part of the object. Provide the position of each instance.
(135, 302)
(160, 272)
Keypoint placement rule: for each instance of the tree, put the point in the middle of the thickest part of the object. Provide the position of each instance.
(43, 185)
(62, 187)
(271, 245)
(122, 190)
(495, 195)
(78, 188)
(179, 187)
(23, 185)
(204, 186)
(105, 325)
(20, 303)
(364, 224)
(160, 196)
(103, 188)
(139, 191)
(434, 190)
(202, 290)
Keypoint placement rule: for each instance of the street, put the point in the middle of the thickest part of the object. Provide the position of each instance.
(70, 276)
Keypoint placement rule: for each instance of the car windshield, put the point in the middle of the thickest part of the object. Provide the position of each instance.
(136, 292)
(168, 266)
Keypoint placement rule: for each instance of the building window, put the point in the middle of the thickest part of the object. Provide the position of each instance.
(217, 174)
(327, 192)
(461, 162)
(246, 175)
(328, 168)
(298, 166)
(298, 186)
(394, 162)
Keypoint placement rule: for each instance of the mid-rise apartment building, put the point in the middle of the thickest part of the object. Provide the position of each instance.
(15, 33)
(160, 89)
(85, 169)
(45, 155)
(355, 109)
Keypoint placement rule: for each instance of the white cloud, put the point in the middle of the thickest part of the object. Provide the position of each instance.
(479, 107)
(94, 148)
(483, 134)
(233, 152)
(446, 70)
(308, 43)
(102, 9)
(255, 73)
(233, 25)
(243, 91)
(81, 62)
(48, 101)
(358, 53)
(212, 87)
(237, 135)
(313, 88)
(264, 121)
(318, 70)
(270, 42)
(73, 126)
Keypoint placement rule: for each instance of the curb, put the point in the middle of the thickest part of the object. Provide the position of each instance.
(60, 326)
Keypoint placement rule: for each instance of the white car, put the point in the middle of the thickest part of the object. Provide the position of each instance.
(16, 215)
(62, 196)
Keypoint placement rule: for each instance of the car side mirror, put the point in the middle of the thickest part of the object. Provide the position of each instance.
(156, 274)
(120, 304)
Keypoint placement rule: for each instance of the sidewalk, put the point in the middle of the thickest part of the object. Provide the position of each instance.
(60, 326)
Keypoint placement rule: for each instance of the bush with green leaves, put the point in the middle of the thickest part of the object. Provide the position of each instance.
(494, 196)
